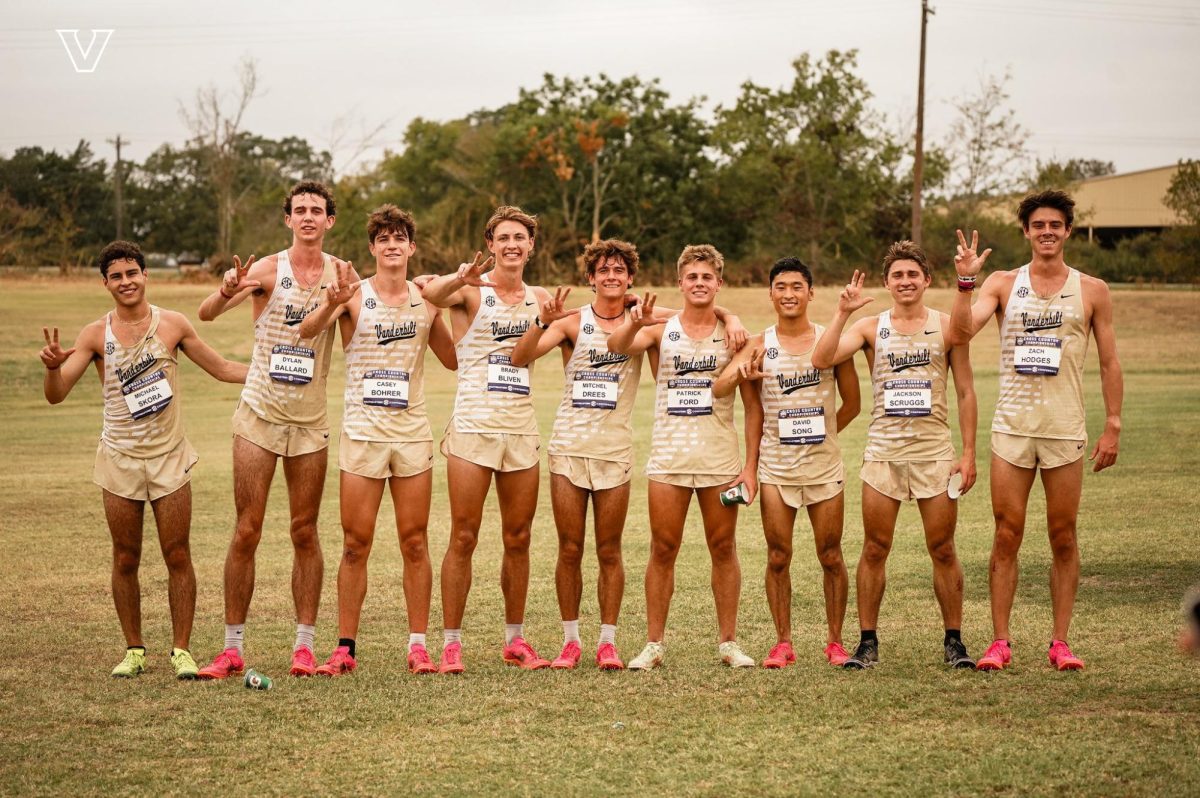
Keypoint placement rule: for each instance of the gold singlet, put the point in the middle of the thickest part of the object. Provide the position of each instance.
(141, 411)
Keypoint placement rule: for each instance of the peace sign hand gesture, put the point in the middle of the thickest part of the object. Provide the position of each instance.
(234, 280)
(345, 284)
(552, 309)
(642, 313)
(472, 273)
(966, 262)
(851, 298)
(751, 370)
(52, 353)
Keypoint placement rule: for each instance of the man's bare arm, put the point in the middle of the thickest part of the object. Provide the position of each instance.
(204, 356)
(65, 367)
(1112, 379)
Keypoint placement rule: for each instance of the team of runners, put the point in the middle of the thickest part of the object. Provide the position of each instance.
(798, 386)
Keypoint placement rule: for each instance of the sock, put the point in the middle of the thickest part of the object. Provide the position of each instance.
(608, 633)
(304, 636)
(952, 635)
(451, 636)
(234, 633)
(513, 630)
(868, 636)
(348, 643)
(136, 648)
(416, 639)
(570, 631)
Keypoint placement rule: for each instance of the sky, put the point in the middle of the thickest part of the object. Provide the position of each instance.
(1117, 80)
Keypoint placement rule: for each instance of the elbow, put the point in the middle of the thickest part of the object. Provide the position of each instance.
(205, 314)
(821, 362)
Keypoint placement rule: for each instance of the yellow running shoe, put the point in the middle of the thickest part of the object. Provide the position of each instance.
(133, 664)
(184, 665)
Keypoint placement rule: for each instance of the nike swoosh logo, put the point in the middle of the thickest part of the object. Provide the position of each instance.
(1080, 446)
(718, 340)
(930, 332)
(1065, 296)
(527, 304)
(415, 305)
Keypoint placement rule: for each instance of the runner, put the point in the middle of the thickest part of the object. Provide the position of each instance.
(143, 455)
(1045, 311)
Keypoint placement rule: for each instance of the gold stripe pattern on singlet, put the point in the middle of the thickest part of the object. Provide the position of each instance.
(141, 410)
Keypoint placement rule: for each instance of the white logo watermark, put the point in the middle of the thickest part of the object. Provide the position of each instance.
(84, 59)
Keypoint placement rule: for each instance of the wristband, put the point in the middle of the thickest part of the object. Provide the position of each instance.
(221, 291)
(966, 283)
(537, 322)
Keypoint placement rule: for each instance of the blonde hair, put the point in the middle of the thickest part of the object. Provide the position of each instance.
(904, 250)
(705, 253)
(510, 213)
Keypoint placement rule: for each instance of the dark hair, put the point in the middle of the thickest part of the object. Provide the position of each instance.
(1052, 198)
(599, 251)
(390, 219)
(790, 265)
(905, 250)
(119, 250)
(311, 187)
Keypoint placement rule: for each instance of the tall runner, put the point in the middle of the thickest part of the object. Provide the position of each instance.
(1045, 311)
(800, 461)
(909, 453)
(143, 455)
(493, 431)
(281, 416)
(386, 440)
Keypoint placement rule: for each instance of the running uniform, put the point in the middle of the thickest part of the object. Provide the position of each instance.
(909, 453)
(1043, 342)
(592, 441)
(143, 454)
(694, 443)
(283, 403)
(385, 430)
(799, 446)
(493, 424)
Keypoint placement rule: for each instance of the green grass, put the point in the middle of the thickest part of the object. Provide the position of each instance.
(1129, 724)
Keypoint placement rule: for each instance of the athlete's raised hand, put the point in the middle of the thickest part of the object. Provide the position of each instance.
(851, 298)
(52, 353)
(642, 313)
(968, 262)
(345, 283)
(472, 273)
(553, 310)
(234, 280)
(752, 369)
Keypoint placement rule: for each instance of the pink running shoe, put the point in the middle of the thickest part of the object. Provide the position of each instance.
(339, 662)
(607, 659)
(836, 655)
(569, 658)
(452, 659)
(419, 661)
(781, 656)
(1062, 658)
(997, 657)
(303, 662)
(521, 654)
(228, 663)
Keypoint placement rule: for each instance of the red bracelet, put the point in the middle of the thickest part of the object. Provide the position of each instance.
(221, 291)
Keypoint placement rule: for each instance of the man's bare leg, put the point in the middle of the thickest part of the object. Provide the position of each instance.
(609, 510)
(468, 485)
(939, 515)
(411, 498)
(517, 492)
(879, 527)
(720, 531)
(1010, 497)
(778, 520)
(670, 503)
(125, 518)
(827, 519)
(253, 469)
(305, 476)
(570, 519)
(1064, 487)
(173, 515)
(360, 499)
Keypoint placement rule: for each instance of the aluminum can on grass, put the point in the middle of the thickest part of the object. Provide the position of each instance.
(257, 681)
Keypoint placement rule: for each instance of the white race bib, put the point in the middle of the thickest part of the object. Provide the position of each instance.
(689, 397)
(1037, 354)
(594, 389)
(801, 426)
(147, 395)
(504, 377)
(908, 397)
(386, 388)
(294, 364)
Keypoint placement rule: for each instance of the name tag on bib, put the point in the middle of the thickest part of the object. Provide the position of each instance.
(594, 389)
(386, 388)
(908, 397)
(294, 364)
(148, 395)
(801, 426)
(1037, 354)
(504, 377)
(689, 397)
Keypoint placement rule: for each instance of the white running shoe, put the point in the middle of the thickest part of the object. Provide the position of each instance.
(733, 656)
(651, 657)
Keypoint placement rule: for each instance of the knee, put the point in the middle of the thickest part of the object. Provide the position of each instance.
(942, 552)
(245, 539)
(1063, 542)
(1008, 538)
(178, 557)
(463, 542)
(830, 558)
(875, 552)
(723, 548)
(570, 552)
(126, 560)
(516, 540)
(609, 555)
(778, 559)
(664, 552)
(356, 547)
(414, 545)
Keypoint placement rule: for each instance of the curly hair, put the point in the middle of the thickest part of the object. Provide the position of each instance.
(119, 250)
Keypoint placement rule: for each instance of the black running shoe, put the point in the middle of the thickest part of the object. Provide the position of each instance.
(865, 656)
(956, 655)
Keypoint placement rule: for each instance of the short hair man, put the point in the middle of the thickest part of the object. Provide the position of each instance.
(1045, 311)
(800, 461)
(909, 454)
(143, 455)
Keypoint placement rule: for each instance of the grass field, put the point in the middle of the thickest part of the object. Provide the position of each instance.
(1128, 725)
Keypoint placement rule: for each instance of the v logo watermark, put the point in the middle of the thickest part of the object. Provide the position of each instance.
(84, 59)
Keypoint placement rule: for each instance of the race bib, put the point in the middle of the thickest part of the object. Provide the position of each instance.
(147, 395)
(689, 397)
(907, 397)
(594, 389)
(1037, 354)
(504, 377)
(294, 364)
(801, 426)
(386, 388)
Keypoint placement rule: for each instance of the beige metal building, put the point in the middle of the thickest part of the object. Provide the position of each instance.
(1117, 206)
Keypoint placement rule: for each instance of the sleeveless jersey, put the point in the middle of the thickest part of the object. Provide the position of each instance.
(286, 383)
(909, 419)
(1043, 343)
(595, 415)
(494, 395)
(141, 410)
(385, 367)
(693, 431)
(799, 441)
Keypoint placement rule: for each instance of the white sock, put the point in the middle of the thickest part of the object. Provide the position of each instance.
(304, 636)
(451, 636)
(512, 630)
(608, 633)
(415, 639)
(234, 633)
(570, 631)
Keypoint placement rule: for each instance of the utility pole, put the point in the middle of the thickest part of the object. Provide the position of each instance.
(919, 155)
(118, 180)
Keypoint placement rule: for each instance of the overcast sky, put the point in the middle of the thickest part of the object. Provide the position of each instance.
(1112, 79)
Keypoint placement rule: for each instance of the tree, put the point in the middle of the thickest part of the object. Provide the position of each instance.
(1060, 174)
(1183, 194)
(986, 145)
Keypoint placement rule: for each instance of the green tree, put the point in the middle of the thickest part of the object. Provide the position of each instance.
(1061, 174)
(1183, 194)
